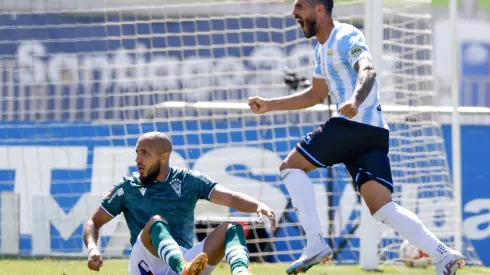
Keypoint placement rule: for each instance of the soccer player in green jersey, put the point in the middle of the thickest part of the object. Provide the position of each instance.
(158, 204)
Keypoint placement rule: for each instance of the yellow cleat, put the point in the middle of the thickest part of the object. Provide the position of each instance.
(197, 265)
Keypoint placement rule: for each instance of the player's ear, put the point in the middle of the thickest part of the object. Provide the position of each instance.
(165, 156)
(320, 8)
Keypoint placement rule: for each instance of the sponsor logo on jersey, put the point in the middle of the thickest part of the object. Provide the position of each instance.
(118, 193)
(356, 50)
(143, 191)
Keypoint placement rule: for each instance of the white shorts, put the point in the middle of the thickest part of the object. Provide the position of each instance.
(142, 262)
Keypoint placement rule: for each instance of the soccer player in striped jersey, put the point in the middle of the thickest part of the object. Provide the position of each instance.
(158, 205)
(358, 137)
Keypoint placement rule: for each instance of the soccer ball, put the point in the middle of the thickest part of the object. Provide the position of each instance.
(414, 257)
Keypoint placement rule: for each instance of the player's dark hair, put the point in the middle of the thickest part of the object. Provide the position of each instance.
(327, 3)
(328, 6)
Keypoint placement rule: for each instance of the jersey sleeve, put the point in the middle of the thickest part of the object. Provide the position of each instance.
(354, 47)
(317, 72)
(113, 202)
(203, 184)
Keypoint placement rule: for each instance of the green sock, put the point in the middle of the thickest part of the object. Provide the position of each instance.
(166, 246)
(236, 251)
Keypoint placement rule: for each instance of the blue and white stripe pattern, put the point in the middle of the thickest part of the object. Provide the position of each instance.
(335, 62)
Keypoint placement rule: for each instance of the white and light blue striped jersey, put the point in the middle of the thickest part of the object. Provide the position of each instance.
(335, 61)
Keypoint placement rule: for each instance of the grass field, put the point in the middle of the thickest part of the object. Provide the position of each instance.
(64, 267)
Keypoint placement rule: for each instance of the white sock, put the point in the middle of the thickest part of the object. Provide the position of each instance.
(302, 195)
(411, 228)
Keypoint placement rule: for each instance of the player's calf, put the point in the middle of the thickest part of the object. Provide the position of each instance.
(228, 240)
(405, 222)
(236, 252)
(157, 239)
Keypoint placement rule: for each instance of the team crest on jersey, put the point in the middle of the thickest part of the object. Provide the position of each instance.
(177, 186)
(308, 139)
(330, 52)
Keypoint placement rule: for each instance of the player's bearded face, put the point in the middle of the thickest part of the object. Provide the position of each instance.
(310, 27)
(151, 174)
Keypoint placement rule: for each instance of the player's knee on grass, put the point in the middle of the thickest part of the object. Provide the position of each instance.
(375, 195)
(145, 234)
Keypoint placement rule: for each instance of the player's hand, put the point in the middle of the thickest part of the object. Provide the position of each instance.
(264, 210)
(349, 108)
(94, 259)
(258, 105)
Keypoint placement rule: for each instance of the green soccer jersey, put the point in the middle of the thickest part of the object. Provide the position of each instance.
(174, 200)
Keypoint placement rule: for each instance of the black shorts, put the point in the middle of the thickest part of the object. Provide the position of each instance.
(362, 148)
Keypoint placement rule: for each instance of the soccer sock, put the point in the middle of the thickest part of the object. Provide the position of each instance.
(411, 228)
(302, 195)
(166, 246)
(236, 252)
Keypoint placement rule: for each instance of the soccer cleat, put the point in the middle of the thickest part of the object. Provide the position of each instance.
(450, 264)
(305, 262)
(197, 265)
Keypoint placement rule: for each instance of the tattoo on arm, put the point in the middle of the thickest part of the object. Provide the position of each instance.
(365, 79)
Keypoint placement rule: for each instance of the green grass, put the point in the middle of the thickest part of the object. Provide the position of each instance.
(67, 267)
(481, 3)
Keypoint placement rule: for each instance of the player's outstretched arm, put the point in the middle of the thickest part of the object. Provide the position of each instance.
(91, 235)
(308, 97)
(243, 203)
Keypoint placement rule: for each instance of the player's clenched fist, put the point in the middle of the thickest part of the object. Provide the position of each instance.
(94, 259)
(258, 105)
(348, 108)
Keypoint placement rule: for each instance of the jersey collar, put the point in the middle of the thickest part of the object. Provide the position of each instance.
(168, 175)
